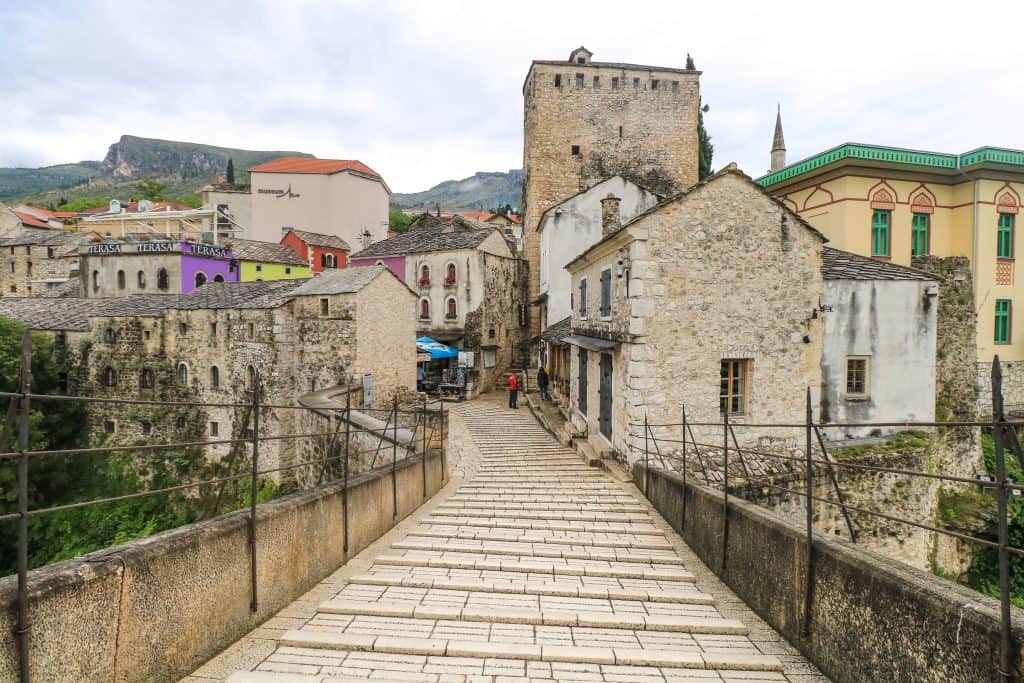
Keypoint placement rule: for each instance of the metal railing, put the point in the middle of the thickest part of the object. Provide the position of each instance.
(424, 421)
(687, 452)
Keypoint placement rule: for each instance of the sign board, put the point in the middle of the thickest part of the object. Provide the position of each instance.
(367, 390)
(466, 359)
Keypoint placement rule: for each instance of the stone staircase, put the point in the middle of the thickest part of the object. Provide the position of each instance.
(537, 568)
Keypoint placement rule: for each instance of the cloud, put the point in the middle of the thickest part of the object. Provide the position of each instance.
(425, 92)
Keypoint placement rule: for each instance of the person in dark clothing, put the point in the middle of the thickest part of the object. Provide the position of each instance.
(513, 390)
(542, 384)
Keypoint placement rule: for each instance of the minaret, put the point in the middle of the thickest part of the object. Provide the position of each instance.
(778, 144)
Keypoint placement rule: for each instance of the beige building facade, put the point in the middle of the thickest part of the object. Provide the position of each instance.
(343, 198)
(894, 205)
(585, 121)
(36, 261)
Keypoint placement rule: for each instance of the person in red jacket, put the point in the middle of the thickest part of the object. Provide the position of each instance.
(513, 390)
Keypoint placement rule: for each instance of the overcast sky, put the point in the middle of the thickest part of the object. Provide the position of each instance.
(425, 91)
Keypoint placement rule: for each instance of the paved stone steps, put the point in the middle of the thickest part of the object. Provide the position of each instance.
(701, 622)
(679, 595)
(537, 569)
(539, 550)
(600, 540)
(550, 566)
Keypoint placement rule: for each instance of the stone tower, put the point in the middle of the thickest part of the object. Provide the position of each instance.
(778, 144)
(585, 121)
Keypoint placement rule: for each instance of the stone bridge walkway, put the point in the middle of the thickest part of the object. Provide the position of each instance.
(528, 567)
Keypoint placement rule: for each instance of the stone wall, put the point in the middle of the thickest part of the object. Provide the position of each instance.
(33, 266)
(156, 608)
(957, 395)
(647, 135)
(871, 618)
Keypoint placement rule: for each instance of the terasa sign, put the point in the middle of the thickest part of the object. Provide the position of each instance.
(157, 247)
(216, 251)
(105, 248)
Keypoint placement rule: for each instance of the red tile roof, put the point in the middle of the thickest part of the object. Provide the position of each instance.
(56, 215)
(30, 220)
(316, 166)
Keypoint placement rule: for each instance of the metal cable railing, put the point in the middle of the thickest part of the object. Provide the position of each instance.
(716, 474)
(424, 422)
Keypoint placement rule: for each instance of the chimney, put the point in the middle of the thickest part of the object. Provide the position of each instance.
(611, 219)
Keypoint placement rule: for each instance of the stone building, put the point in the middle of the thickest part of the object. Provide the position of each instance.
(10, 223)
(344, 198)
(207, 346)
(469, 286)
(37, 260)
(585, 121)
(896, 205)
(694, 303)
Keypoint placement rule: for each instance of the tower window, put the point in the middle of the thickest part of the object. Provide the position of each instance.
(654, 84)
(575, 150)
(636, 84)
(880, 233)
(675, 86)
(620, 131)
(579, 80)
(615, 82)
(581, 60)
(1002, 323)
(558, 80)
(1004, 236)
(597, 82)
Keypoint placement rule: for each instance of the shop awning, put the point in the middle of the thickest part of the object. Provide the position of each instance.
(590, 343)
(436, 349)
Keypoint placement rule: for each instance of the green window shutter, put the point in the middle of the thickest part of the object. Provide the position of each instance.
(1002, 333)
(880, 233)
(1004, 239)
(919, 235)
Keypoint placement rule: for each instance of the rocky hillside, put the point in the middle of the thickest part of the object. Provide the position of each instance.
(481, 191)
(183, 166)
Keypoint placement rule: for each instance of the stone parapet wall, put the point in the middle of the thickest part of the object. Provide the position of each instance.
(156, 608)
(871, 618)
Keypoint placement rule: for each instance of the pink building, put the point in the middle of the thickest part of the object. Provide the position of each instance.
(344, 198)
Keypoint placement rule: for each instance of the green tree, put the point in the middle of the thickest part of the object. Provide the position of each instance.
(150, 189)
(84, 203)
(229, 174)
(398, 221)
(707, 150)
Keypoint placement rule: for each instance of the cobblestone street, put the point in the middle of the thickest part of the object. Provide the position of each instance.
(528, 566)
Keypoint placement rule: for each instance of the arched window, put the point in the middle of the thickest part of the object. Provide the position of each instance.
(109, 377)
(215, 377)
(120, 279)
(250, 378)
(146, 379)
(449, 274)
(451, 308)
(182, 374)
(200, 279)
(425, 274)
(142, 279)
(379, 263)
(328, 260)
(425, 308)
(95, 280)
(162, 279)
(218, 278)
(109, 336)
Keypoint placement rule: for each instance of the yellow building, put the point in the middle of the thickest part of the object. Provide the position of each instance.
(892, 204)
(268, 261)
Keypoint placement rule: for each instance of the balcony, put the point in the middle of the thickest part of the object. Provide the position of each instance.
(424, 282)
(449, 282)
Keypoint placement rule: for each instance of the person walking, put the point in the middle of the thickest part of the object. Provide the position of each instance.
(542, 384)
(513, 390)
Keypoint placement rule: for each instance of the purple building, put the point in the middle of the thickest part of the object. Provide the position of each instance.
(121, 267)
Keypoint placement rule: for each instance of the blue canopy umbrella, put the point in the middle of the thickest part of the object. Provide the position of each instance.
(436, 349)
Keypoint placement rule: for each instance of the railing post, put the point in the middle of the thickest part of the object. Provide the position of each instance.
(344, 490)
(682, 522)
(647, 476)
(725, 484)
(394, 461)
(443, 456)
(254, 604)
(808, 575)
(999, 433)
(23, 441)
(424, 455)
